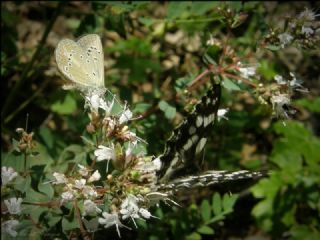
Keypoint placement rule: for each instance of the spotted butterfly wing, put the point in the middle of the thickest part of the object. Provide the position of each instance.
(82, 61)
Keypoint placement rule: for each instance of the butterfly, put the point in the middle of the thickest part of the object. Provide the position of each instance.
(82, 61)
(181, 161)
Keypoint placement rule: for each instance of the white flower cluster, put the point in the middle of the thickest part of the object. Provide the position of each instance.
(247, 71)
(7, 175)
(81, 187)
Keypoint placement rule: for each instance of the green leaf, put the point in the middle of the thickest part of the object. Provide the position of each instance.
(312, 105)
(230, 85)
(205, 230)
(194, 236)
(47, 189)
(205, 210)
(175, 9)
(65, 106)
(228, 202)
(216, 204)
(146, 21)
(69, 224)
(22, 183)
(169, 111)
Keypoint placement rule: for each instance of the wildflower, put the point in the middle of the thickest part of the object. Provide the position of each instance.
(247, 72)
(89, 192)
(93, 101)
(125, 116)
(109, 220)
(67, 196)
(307, 31)
(221, 113)
(279, 79)
(95, 176)
(107, 107)
(145, 213)
(90, 208)
(129, 208)
(9, 227)
(7, 175)
(60, 178)
(307, 15)
(83, 171)
(14, 205)
(79, 184)
(285, 39)
(105, 153)
(279, 103)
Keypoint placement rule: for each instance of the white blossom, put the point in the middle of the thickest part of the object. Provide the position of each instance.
(95, 176)
(7, 175)
(280, 80)
(145, 213)
(109, 220)
(89, 192)
(308, 15)
(90, 208)
(9, 227)
(67, 196)
(79, 184)
(105, 153)
(129, 207)
(60, 178)
(83, 171)
(307, 31)
(285, 39)
(93, 101)
(278, 103)
(14, 205)
(221, 113)
(247, 72)
(107, 107)
(125, 116)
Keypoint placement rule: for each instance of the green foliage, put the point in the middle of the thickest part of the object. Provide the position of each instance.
(289, 200)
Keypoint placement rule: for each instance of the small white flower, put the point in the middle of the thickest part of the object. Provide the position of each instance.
(67, 196)
(95, 176)
(279, 79)
(145, 213)
(129, 208)
(157, 163)
(109, 220)
(83, 171)
(93, 101)
(79, 184)
(285, 39)
(7, 175)
(14, 205)
(90, 208)
(125, 116)
(107, 107)
(221, 113)
(307, 31)
(247, 72)
(278, 103)
(105, 153)
(9, 227)
(89, 192)
(60, 178)
(308, 15)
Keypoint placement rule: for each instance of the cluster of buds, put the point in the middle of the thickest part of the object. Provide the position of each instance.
(26, 143)
(302, 30)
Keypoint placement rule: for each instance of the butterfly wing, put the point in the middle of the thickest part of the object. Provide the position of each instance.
(91, 44)
(74, 63)
(210, 178)
(184, 148)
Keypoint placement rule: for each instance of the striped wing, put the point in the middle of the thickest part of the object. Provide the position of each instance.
(184, 148)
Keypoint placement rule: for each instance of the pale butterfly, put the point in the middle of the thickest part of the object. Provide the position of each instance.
(82, 61)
